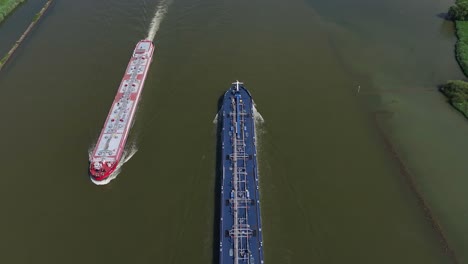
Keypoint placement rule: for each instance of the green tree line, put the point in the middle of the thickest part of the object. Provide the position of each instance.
(459, 11)
(457, 91)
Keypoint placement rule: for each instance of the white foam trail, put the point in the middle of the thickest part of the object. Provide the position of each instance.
(215, 120)
(161, 11)
(90, 150)
(127, 155)
(258, 132)
(258, 117)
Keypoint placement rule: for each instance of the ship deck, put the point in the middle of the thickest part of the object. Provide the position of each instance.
(111, 142)
(240, 218)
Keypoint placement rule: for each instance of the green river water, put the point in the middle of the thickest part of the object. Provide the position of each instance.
(352, 116)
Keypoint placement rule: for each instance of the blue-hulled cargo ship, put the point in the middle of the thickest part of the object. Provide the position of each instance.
(240, 218)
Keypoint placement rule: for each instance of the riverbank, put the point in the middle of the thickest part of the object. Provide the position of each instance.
(36, 19)
(457, 93)
(457, 90)
(461, 49)
(7, 6)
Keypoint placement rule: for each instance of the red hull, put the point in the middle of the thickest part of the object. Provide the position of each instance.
(110, 146)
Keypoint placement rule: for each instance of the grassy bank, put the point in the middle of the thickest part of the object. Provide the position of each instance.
(7, 6)
(38, 16)
(457, 91)
(461, 49)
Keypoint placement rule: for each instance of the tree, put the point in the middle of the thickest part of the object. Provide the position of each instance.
(459, 11)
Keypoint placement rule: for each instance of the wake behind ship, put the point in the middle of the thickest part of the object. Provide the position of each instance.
(240, 218)
(109, 148)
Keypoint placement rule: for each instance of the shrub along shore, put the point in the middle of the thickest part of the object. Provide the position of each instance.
(7, 6)
(457, 91)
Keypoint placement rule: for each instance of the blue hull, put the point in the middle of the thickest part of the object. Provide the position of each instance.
(240, 218)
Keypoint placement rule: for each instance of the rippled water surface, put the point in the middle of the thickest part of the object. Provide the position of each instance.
(352, 115)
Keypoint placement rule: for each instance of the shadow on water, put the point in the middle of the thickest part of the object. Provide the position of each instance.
(218, 176)
(443, 16)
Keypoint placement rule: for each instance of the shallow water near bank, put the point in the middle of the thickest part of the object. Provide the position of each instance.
(331, 192)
